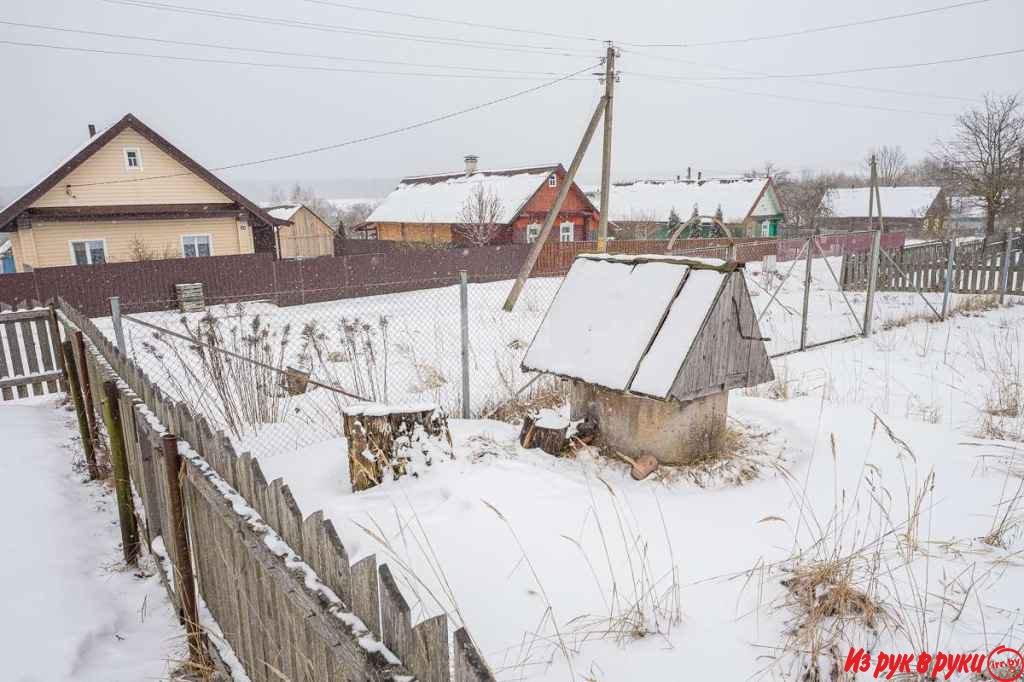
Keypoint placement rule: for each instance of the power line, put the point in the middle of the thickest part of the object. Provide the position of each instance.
(864, 69)
(314, 55)
(817, 29)
(371, 33)
(365, 138)
(801, 99)
(813, 81)
(266, 65)
(454, 22)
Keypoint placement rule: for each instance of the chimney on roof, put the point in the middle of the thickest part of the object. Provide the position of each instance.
(700, 174)
(471, 160)
(678, 178)
(688, 173)
(92, 130)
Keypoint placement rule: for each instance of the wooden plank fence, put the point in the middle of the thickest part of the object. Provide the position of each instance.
(978, 268)
(280, 585)
(30, 362)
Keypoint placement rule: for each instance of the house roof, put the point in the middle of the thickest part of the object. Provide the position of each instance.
(652, 309)
(440, 198)
(897, 202)
(283, 212)
(655, 200)
(81, 154)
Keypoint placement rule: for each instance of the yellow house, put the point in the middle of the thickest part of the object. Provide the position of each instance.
(306, 235)
(129, 194)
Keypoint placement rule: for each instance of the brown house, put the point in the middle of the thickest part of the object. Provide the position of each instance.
(306, 235)
(129, 194)
(914, 210)
(437, 209)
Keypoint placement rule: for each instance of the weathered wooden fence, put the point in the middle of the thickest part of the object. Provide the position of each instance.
(29, 357)
(280, 586)
(978, 268)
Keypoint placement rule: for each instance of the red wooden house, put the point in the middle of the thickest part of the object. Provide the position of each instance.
(439, 209)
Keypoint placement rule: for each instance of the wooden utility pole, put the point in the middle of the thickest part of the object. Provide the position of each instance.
(871, 192)
(563, 192)
(606, 151)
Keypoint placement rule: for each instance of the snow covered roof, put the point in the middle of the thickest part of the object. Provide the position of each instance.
(897, 202)
(440, 198)
(654, 200)
(628, 323)
(284, 211)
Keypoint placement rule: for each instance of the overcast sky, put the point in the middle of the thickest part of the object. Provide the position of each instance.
(227, 113)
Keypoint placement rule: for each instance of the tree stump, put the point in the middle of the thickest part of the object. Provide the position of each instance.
(546, 430)
(296, 381)
(392, 440)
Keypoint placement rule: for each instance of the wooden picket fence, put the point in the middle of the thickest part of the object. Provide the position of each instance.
(280, 586)
(29, 363)
(978, 268)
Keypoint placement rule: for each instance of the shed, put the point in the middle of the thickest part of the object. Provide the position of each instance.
(652, 345)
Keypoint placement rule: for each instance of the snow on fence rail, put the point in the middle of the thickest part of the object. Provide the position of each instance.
(979, 267)
(29, 363)
(280, 586)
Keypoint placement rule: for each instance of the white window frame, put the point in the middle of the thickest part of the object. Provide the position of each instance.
(209, 239)
(138, 156)
(88, 253)
(561, 231)
(531, 234)
(552, 180)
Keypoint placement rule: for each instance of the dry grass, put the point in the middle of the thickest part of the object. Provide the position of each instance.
(739, 454)
(1000, 363)
(543, 394)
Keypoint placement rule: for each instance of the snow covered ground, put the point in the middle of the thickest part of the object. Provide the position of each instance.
(71, 609)
(870, 465)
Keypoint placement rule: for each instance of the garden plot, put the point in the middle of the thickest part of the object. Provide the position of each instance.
(396, 348)
(898, 532)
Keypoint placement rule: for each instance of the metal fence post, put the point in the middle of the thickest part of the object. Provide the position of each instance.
(464, 317)
(1005, 279)
(807, 292)
(115, 316)
(869, 300)
(948, 285)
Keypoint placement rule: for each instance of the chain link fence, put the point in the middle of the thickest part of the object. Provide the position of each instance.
(277, 377)
(275, 374)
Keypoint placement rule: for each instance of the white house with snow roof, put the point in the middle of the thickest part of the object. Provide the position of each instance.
(749, 207)
(915, 210)
(438, 209)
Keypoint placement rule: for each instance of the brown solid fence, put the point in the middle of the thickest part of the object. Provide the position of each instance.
(977, 268)
(280, 585)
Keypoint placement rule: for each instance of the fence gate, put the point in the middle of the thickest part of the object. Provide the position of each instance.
(29, 354)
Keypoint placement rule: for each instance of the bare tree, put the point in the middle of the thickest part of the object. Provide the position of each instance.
(892, 164)
(353, 214)
(982, 156)
(803, 198)
(480, 216)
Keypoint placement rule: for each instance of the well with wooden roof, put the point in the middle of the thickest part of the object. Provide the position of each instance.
(652, 345)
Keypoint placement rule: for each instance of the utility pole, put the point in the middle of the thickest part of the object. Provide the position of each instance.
(871, 192)
(606, 152)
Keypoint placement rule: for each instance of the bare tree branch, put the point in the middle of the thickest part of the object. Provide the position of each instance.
(480, 217)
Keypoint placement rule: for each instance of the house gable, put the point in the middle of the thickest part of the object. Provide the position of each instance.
(96, 175)
(104, 180)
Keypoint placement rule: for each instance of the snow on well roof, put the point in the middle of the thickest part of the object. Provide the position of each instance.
(649, 200)
(897, 202)
(639, 335)
(426, 200)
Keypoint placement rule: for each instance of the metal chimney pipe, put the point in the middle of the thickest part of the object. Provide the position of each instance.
(92, 130)
(471, 161)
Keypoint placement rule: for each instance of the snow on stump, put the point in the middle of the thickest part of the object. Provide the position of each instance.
(643, 466)
(652, 365)
(391, 441)
(544, 429)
